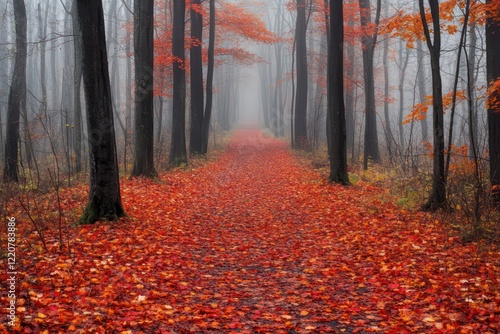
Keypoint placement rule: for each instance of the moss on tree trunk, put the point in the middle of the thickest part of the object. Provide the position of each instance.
(97, 210)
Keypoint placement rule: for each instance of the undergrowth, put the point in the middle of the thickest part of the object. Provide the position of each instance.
(471, 217)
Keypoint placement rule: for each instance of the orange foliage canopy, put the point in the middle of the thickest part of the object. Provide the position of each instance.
(234, 26)
(408, 26)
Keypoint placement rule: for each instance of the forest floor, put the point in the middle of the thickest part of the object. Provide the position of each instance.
(255, 242)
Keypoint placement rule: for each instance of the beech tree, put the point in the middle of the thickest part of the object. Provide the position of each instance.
(104, 194)
(336, 107)
(178, 154)
(17, 94)
(144, 114)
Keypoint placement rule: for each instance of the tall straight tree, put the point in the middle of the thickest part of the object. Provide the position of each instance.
(77, 82)
(196, 127)
(17, 94)
(104, 194)
(437, 198)
(369, 40)
(210, 78)
(387, 118)
(422, 91)
(178, 154)
(277, 98)
(144, 113)
(493, 74)
(336, 107)
(300, 117)
(349, 94)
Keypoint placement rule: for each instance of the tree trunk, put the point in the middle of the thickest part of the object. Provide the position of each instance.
(437, 198)
(144, 73)
(328, 129)
(127, 133)
(196, 128)
(5, 66)
(461, 44)
(312, 134)
(210, 78)
(264, 93)
(388, 130)
(338, 157)
(56, 103)
(319, 105)
(471, 58)
(67, 95)
(42, 33)
(349, 94)
(403, 63)
(301, 96)
(77, 81)
(17, 94)
(422, 91)
(278, 91)
(493, 74)
(160, 118)
(178, 154)
(104, 194)
(371, 149)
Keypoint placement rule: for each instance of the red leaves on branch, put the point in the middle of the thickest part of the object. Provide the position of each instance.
(256, 242)
(235, 26)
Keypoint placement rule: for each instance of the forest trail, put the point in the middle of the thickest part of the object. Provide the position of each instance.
(255, 242)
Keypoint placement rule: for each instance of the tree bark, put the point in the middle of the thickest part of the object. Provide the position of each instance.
(336, 107)
(197, 98)
(264, 93)
(127, 133)
(471, 58)
(42, 33)
(17, 94)
(300, 115)
(403, 63)
(178, 154)
(371, 149)
(493, 74)
(349, 94)
(210, 78)
(437, 198)
(422, 91)
(278, 105)
(104, 195)
(144, 77)
(387, 129)
(77, 82)
(461, 44)
(56, 103)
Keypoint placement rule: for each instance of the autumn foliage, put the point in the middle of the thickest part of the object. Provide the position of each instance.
(235, 26)
(419, 110)
(253, 242)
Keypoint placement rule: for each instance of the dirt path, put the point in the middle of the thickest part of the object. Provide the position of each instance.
(256, 243)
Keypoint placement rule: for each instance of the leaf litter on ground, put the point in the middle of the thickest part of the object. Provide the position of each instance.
(255, 243)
